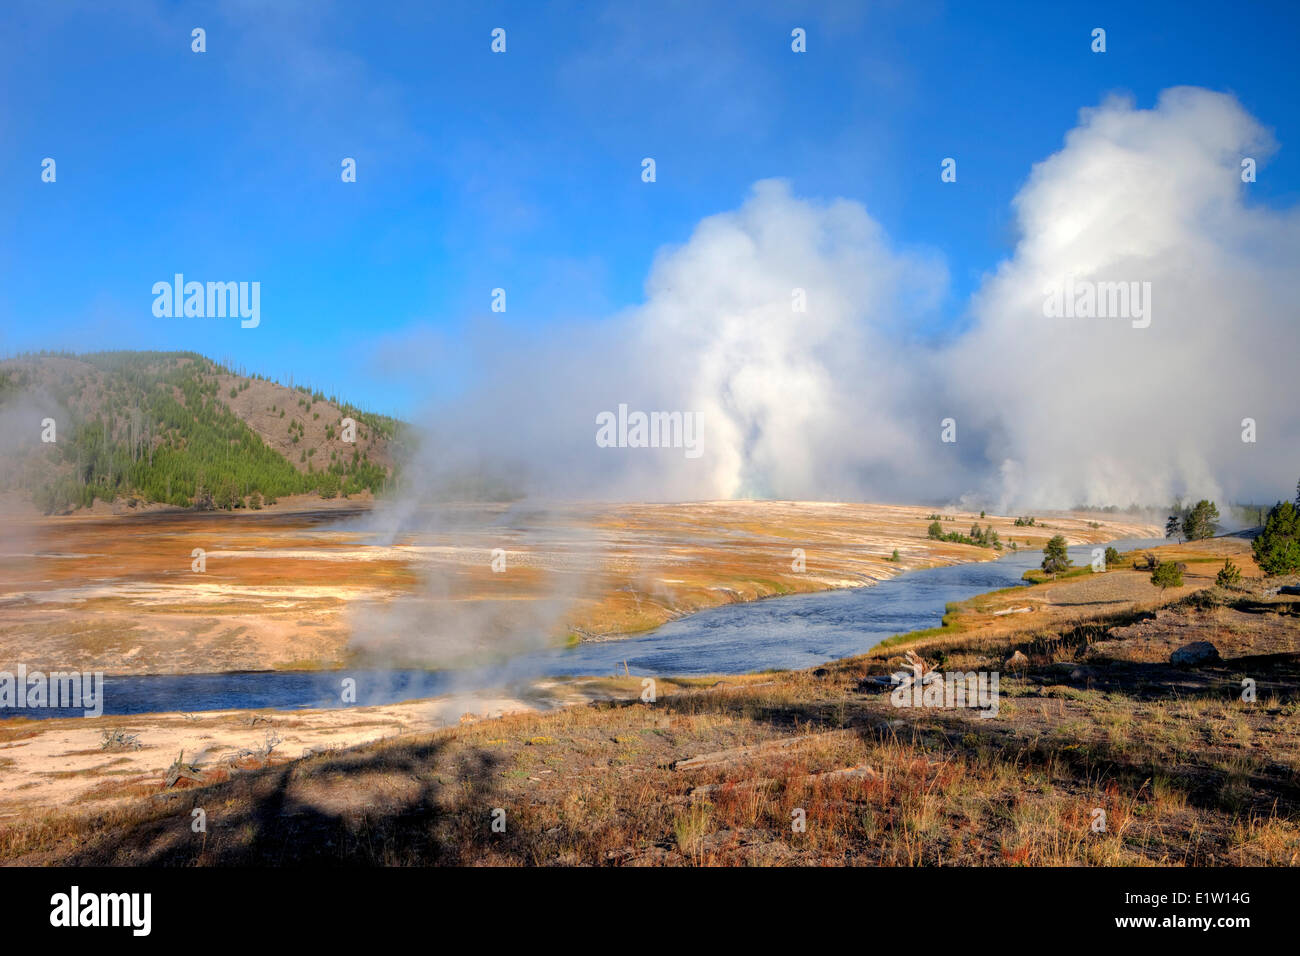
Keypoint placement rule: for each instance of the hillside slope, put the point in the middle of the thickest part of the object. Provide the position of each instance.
(177, 428)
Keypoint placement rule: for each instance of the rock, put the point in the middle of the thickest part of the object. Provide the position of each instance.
(821, 672)
(1194, 654)
(1016, 662)
(875, 683)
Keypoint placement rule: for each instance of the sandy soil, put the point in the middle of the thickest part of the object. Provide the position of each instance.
(63, 762)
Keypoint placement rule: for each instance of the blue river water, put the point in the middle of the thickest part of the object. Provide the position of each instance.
(789, 632)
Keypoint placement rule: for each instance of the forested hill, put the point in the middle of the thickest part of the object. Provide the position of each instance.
(178, 428)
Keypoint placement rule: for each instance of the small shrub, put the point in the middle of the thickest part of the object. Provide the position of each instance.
(1228, 575)
(1167, 575)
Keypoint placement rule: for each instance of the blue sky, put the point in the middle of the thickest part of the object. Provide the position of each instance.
(522, 170)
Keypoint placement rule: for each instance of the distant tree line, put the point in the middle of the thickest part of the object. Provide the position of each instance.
(986, 538)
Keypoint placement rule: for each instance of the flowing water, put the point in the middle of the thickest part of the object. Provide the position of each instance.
(778, 633)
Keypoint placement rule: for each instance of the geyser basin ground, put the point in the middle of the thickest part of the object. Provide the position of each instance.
(779, 634)
(341, 587)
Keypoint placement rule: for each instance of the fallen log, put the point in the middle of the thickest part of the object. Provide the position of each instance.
(827, 776)
(719, 758)
(181, 770)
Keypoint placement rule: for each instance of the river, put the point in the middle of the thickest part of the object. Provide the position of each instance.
(789, 632)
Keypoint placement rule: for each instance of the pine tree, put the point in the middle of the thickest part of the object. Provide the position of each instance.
(1201, 522)
(1056, 556)
(1277, 549)
(1229, 575)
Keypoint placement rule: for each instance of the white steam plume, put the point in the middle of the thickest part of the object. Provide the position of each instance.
(844, 400)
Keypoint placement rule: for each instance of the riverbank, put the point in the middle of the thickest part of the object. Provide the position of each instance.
(76, 763)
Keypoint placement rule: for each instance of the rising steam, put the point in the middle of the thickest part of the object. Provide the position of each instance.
(843, 400)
